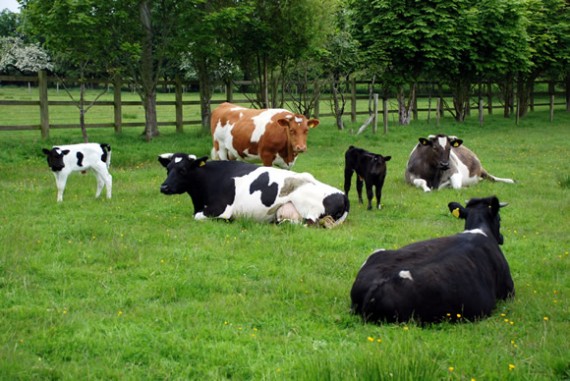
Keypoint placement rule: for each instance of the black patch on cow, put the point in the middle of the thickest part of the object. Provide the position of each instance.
(80, 157)
(105, 148)
(268, 191)
(336, 205)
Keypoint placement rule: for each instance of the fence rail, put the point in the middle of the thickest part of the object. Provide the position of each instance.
(116, 121)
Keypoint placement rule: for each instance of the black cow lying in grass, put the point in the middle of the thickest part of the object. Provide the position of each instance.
(448, 278)
(370, 169)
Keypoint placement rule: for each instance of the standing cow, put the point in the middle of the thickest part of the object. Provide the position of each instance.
(441, 161)
(370, 169)
(449, 278)
(232, 189)
(269, 136)
(80, 157)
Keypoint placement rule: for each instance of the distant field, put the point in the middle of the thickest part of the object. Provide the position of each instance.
(133, 288)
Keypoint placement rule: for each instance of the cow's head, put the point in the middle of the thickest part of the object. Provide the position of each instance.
(297, 127)
(179, 167)
(481, 213)
(55, 158)
(375, 163)
(436, 149)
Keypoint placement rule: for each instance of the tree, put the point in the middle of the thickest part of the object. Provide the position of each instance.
(340, 60)
(78, 35)
(25, 58)
(9, 22)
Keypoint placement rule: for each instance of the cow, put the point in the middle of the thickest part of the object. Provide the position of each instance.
(439, 161)
(234, 189)
(65, 159)
(270, 136)
(454, 278)
(370, 168)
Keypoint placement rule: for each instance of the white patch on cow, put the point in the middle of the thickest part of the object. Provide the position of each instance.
(442, 140)
(261, 121)
(405, 274)
(461, 176)
(298, 120)
(177, 160)
(475, 231)
(421, 183)
(200, 216)
(166, 156)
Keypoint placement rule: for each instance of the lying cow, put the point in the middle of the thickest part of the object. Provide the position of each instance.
(80, 157)
(232, 189)
(441, 161)
(449, 278)
(269, 136)
(370, 168)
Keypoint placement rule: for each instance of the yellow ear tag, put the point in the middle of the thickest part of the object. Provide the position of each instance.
(202, 164)
(455, 212)
(456, 144)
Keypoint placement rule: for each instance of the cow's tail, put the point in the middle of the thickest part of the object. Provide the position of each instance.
(487, 175)
(106, 153)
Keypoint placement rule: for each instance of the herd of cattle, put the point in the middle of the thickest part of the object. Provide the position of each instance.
(460, 276)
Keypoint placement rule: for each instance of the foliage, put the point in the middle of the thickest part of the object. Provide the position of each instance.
(134, 288)
(25, 58)
(9, 22)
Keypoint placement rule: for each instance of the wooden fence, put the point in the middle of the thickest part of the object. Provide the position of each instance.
(359, 92)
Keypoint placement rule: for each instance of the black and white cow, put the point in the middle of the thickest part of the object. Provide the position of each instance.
(370, 169)
(80, 157)
(232, 189)
(450, 278)
(441, 161)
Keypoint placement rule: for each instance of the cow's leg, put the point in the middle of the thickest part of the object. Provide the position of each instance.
(347, 180)
(267, 158)
(60, 181)
(359, 184)
(100, 184)
(456, 181)
(379, 194)
(421, 183)
(369, 194)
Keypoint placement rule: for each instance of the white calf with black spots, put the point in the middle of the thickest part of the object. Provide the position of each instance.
(65, 159)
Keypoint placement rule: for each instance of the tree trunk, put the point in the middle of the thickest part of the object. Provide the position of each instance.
(461, 98)
(148, 74)
(82, 110)
(205, 95)
(338, 101)
(405, 107)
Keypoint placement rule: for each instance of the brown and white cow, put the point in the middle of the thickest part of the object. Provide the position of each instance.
(269, 136)
(441, 161)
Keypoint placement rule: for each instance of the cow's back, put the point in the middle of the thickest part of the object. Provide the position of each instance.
(462, 274)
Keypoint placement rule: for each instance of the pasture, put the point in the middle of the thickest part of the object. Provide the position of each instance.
(133, 288)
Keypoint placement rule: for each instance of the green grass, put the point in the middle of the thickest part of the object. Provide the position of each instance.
(133, 288)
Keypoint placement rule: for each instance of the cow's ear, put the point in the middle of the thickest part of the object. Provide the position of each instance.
(387, 158)
(65, 151)
(456, 142)
(457, 210)
(201, 161)
(164, 159)
(283, 122)
(424, 141)
(312, 123)
(46, 151)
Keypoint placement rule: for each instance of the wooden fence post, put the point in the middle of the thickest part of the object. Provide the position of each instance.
(118, 113)
(44, 109)
(229, 91)
(375, 125)
(178, 104)
(489, 98)
(437, 111)
(551, 94)
(385, 114)
(353, 100)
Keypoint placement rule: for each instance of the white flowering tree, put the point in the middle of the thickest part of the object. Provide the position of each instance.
(24, 58)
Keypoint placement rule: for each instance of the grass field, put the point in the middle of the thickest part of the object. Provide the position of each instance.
(133, 288)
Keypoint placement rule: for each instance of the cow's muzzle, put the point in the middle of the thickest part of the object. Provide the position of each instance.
(444, 165)
(165, 189)
(300, 149)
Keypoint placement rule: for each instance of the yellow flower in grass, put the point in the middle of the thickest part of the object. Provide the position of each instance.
(545, 318)
(511, 367)
(371, 339)
(451, 369)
